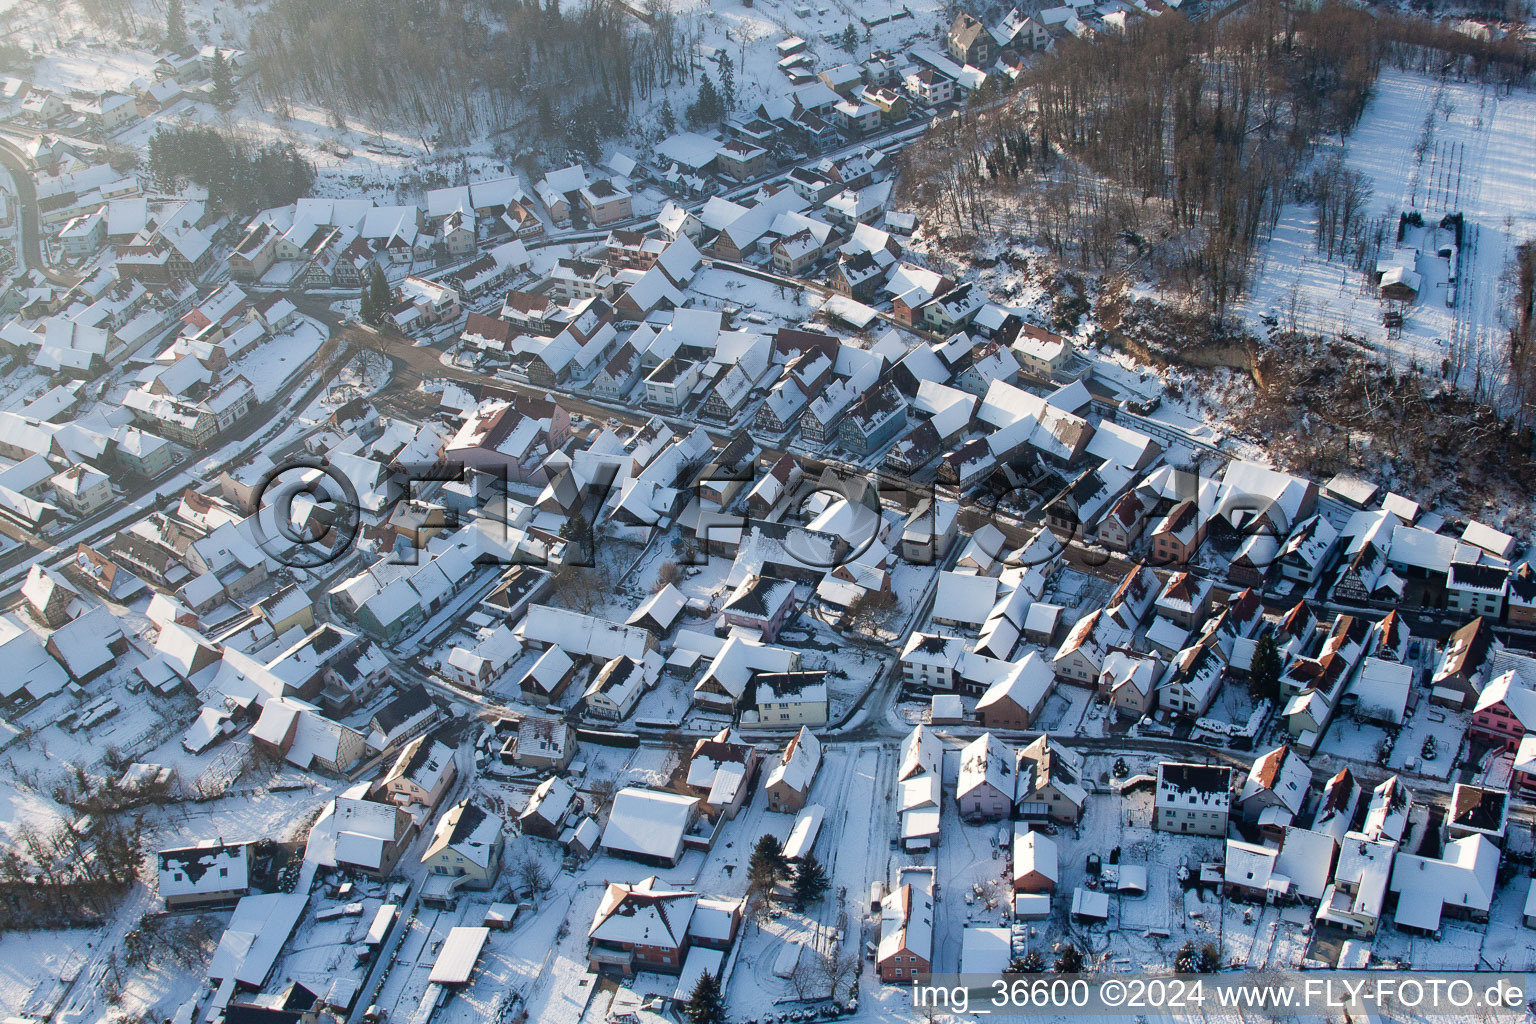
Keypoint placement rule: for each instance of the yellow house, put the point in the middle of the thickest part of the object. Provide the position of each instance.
(466, 847)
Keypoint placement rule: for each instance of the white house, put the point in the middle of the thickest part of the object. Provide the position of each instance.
(1192, 799)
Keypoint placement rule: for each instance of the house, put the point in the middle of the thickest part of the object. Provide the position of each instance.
(1476, 588)
(1307, 550)
(670, 385)
(478, 667)
(212, 873)
(761, 603)
(930, 87)
(548, 677)
(605, 202)
(1193, 677)
(49, 596)
(1386, 816)
(539, 742)
(658, 612)
(296, 731)
(1036, 862)
(552, 802)
(369, 837)
(931, 661)
(970, 42)
(646, 926)
(1050, 782)
(1505, 711)
(793, 253)
(1184, 600)
(408, 714)
(1382, 689)
(1459, 884)
(618, 686)
(1336, 809)
(740, 160)
(721, 770)
(1192, 799)
(1520, 599)
(787, 698)
(1304, 865)
(676, 221)
(1123, 524)
(875, 418)
(1080, 658)
(919, 780)
(1015, 699)
(1355, 900)
(789, 782)
(422, 774)
(466, 847)
(1129, 680)
(1134, 597)
(1249, 874)
(1463, 664)
(641, 927)
(649, 825)
(1177, 536)
(905, 950)
(1477, 810)
(985, 788)
(1275, 790)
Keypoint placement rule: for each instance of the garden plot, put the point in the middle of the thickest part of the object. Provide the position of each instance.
(1437, 148)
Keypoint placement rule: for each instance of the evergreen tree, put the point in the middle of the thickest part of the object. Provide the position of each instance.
(1265, 674)
(1210, 959)
(1069, 959)
(223, 80)
(1032, 962)
(810, 882)
(668, 119)
(1186, 960)
(850, 38)
(175, 26)
(728, 81)
(706, 1003)
(236, 178)
(768, 866)
(707, 108)
(379, 291)
(367, 315)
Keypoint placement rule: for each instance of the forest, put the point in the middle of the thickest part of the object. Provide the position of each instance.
(450, 71)
(1175, 144)
(239, 177)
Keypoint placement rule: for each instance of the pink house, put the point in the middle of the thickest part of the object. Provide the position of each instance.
(762, 603)
(1505, 712)
(985, 789)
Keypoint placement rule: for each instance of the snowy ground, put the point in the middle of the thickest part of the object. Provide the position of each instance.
(1479, 158)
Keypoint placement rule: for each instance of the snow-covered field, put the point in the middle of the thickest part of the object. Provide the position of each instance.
(1479, 159)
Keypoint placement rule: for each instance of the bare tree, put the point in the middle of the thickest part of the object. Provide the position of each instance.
(531, 873)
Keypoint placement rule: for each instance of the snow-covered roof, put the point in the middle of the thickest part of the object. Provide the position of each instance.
(648, 822)
(797, 766)
(986, 760)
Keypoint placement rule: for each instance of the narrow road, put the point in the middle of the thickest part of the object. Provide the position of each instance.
(26, 203)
